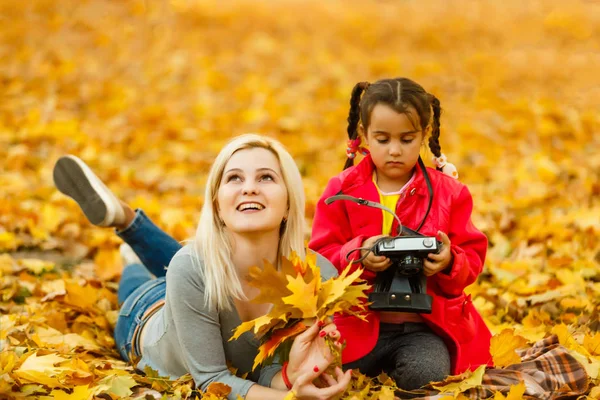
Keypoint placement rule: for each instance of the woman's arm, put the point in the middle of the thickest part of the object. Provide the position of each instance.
(198, 329)
(199, 335)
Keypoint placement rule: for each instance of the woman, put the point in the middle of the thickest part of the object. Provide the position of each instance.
(181, 322)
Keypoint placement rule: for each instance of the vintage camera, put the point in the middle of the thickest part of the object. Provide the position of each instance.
(403, 287)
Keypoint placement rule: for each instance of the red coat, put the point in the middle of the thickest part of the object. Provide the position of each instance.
(343, 225)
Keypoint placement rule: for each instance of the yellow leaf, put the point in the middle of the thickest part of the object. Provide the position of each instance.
(242, 328)
(503, 346)
(41, 370)
(272, 283)
(459, 383)
(36, 266)
(118, 385)
(79, 393)
(592, 344)
(108, 264)
(304, 295)
(73, 340)
(516, 393)
(567, 339)
(386, 393)
(595, 393)
(81, 296)
(8, 360)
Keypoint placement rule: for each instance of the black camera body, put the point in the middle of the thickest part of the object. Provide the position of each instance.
(408, 252)
(403, 287)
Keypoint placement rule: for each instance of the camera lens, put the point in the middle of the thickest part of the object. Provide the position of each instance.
(410, 265)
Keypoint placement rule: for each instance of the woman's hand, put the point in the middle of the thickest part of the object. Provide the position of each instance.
(304, 388)
(435, 263)
(310, 352)
(372, 262)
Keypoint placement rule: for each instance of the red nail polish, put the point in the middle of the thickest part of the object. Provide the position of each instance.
(316, 369)
(321, 323)
(322, 333)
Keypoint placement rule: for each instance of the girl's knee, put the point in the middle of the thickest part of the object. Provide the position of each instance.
(415, 375)
(429, 362)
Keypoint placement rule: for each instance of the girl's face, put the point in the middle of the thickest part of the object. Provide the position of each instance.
(394, 144)
(252, 197)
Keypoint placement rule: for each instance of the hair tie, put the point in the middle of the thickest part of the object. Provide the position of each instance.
(353, 147)
(447, 168)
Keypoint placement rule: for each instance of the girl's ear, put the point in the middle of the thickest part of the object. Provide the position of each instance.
(361, 130)
(427, 131)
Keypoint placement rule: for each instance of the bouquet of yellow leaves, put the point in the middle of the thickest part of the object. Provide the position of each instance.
(299, 297)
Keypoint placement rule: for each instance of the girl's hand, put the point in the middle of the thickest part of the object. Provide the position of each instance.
(435, 263)
(310, 352)
(372, 262)
(304, 389)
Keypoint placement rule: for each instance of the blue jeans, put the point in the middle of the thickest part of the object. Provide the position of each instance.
(138, 288)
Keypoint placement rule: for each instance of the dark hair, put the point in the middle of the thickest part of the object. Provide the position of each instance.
(400, 94)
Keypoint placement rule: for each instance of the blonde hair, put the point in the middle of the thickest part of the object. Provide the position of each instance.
(212, 245)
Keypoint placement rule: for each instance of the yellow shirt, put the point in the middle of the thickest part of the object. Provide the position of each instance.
(390, 200)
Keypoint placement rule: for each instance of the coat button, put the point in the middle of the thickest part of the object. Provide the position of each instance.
(413, 191)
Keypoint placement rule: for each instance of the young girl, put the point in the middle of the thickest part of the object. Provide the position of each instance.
(395, 117)
(181, 321)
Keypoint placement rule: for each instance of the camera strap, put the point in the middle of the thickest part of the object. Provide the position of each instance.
(368, 203)
(364, 202)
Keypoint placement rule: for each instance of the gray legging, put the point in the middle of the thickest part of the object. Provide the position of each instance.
(411, 353)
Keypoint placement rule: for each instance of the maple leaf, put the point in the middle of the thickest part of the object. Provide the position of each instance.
(218, 389)
(296, 297)
(49, 336)
(118, 385)
(515, 393)
(460, 383)
(81, 296)
(503, 346)
(279, 336)
(566, 338)
(42, 369)
(277, 287)
(79, 393)
(304, 295)
(592, 344)
(36, 266)
(108, 263)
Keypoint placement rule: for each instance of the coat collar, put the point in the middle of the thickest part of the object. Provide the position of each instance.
(362, 174)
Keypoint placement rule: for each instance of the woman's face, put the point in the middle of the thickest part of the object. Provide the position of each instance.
(252, 197)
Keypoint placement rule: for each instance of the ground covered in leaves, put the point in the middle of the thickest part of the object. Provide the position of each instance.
(148, 91)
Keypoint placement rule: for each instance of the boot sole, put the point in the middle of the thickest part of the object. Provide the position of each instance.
(71, 180)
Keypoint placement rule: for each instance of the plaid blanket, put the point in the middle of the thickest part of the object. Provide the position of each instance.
(547, 368)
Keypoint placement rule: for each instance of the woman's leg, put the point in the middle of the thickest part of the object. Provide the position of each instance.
(151, 244)
(137, 300)
(133, 277)
(101, 207)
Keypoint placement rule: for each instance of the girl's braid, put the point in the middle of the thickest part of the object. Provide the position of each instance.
(434, 140)
(354, 115)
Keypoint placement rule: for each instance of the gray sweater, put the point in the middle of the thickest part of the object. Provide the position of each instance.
(188, 336)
